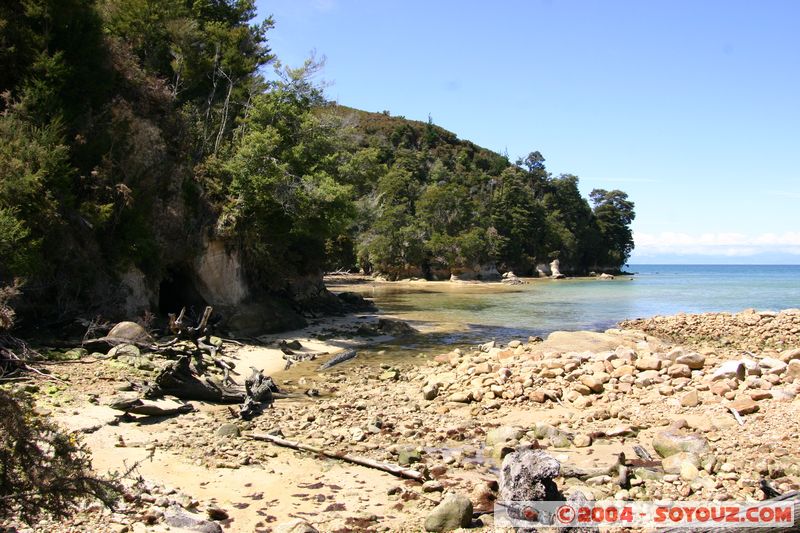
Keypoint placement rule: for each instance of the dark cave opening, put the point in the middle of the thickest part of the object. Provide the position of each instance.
(178, 290)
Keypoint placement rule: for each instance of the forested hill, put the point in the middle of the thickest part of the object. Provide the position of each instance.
(146, 163)
(431, 205)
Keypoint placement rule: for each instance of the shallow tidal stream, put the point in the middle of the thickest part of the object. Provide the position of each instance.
(451, 314)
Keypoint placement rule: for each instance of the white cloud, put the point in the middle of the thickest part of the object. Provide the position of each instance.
(784, 194)
(722, 244)
(324, 5)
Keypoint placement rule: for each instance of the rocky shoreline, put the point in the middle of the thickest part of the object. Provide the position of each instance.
(717, 413)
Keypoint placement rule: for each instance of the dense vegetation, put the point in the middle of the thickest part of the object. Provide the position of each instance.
(431, 204)
(133, 130)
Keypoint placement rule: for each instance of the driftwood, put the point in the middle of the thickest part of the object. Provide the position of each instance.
(177, 379)
(396, 470)
(138, 406)
(16, 358)
(339, 358)
(298, 357)
(259, 391)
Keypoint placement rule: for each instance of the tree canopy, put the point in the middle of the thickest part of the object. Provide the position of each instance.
(132, 130)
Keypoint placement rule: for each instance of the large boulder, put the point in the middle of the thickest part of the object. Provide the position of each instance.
(729, 369)
(386, 326)
(453, 512)
(670, 442)
(503, 434)
(130, 332)
(693, 360)
(527, 475)
(674, 463)
(177, 517)
(298, 525)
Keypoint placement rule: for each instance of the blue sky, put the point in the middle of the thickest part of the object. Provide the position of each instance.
(691, 107)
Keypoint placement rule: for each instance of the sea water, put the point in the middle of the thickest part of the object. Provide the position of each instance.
(476, 313)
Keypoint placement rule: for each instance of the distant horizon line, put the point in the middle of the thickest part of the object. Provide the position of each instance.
(714, 264)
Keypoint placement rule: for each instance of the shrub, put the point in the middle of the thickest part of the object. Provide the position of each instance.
(43, 470)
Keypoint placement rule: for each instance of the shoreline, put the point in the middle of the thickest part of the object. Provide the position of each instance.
(582, 396)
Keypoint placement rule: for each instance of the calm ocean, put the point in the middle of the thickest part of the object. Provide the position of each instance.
(544, 306)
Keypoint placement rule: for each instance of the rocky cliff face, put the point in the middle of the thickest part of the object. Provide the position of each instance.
(217, 277)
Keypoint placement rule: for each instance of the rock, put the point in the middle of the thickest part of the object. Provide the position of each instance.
(674, 463)
(487, 346)
(669, 442)
(129, 331)
(790, 355)
(602, 377)
(689, 472)
(729, 369)
(460, 397)
(782, 395)
(503, 434)
(176, 516)
(357, 435)
(760, 395)
(430, 392)
(228, 430)
(74, 354)
(647, 363)
(527, 475)
(647, 474)
(555, 270)
(394, 327)
(622, 431)
(215, 512)
(592, 383)
(453, 512)
(624, 370)
(292, 344)
(693, 360)
(124, 351)
(409, 456)
(679, 370)
(482, 368)
(770, 365)
(605, 276)
(298, 525)
(514, 344)
(557, 438)
(690, 399)
(389, 375)
(582, 441)
(432, 486)
(792, 370)
(355, 301)
(560, 440)
(744, 406)
(720, 388)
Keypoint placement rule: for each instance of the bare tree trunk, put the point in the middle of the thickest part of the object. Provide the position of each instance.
(211, 96)
(225, 108)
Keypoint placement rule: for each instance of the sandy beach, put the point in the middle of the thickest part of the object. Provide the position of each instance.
(585, 397)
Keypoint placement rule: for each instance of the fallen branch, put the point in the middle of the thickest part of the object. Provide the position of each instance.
(396, 470)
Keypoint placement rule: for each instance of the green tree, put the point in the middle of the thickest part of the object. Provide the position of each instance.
(614, 214)
(519, 219)
(286, 197)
